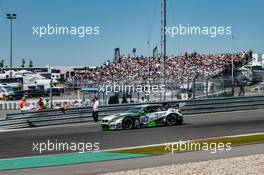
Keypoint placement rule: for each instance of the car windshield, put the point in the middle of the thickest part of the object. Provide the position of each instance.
(134, 110)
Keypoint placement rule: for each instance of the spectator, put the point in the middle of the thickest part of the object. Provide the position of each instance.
(41, 105)
(142, 99)
(76, 104)
(22, 104)
(65, 105)
(181, 68)
(95, 105)
(46, 104)
(124, 98)
(57, 106)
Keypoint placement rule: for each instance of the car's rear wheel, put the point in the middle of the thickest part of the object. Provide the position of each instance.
(128, 123)
(171, 119)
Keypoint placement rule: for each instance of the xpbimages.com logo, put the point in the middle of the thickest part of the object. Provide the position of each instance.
(79, 31)
(56, 145)
(138, 88)
(184, 146)
(211, 31)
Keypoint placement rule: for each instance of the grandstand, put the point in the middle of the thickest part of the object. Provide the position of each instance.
(130, 70)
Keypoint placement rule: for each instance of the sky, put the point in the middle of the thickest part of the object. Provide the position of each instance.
(126, 24)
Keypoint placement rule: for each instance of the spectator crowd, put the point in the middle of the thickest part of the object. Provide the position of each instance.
(131, 70)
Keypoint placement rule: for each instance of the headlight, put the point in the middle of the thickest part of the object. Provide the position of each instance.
(105, 121)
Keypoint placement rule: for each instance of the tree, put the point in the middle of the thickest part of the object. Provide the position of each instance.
(23, 62)
(30, 63)
(2, 62)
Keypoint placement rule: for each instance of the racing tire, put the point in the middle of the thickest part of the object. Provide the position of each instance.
(127, 123)
(171, 120)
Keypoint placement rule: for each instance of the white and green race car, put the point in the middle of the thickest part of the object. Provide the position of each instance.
(143, 116)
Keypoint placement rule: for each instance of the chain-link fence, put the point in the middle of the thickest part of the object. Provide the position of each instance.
(248, 81)
(243, 83)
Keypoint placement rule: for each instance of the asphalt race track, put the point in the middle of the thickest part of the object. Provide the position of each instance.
(135, 163)
(18, 143)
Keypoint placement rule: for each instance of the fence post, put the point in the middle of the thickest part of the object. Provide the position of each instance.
(193, 88)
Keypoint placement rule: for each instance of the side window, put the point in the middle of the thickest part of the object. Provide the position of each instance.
(149, 109)
(155, 108)
(161, 108)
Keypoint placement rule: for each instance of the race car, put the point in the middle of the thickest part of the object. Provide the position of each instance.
(143, 116)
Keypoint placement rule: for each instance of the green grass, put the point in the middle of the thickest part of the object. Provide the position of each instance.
(63, 159)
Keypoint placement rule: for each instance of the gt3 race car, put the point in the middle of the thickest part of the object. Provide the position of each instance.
(143, 116)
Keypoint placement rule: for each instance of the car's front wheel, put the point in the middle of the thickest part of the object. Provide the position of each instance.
(128, 123)
(171, 119)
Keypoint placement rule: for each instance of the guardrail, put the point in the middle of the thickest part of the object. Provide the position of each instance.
(78, 115)
(13, 105)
